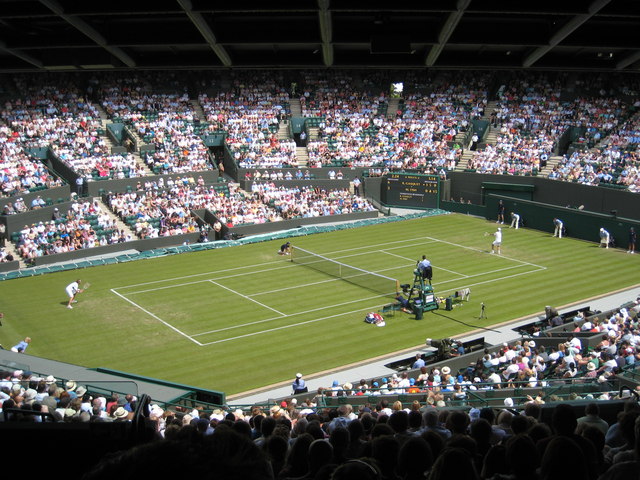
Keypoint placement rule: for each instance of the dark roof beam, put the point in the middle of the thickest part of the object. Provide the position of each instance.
(22, 56)
(628, 60)
(326, 31)
(90, 32)
(205, 30)
(447, 30)
(571, 26)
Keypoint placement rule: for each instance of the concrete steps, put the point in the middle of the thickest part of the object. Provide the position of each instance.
(313, 133)
(491, 137)
(295, 107)
(302, 156)
(551, 163)
(283, 131)
(392, 108)
(9, 247)
(199, 111)
(119, 223)
(489, 109)
(464, 160)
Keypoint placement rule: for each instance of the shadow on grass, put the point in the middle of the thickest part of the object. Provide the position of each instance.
(464, 323)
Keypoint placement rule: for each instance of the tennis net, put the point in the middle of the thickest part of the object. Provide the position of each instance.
(373, 281)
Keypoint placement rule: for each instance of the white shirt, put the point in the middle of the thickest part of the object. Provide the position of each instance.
(72, 288)
(498, 236)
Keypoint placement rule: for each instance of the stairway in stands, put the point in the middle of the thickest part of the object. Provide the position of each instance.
(295, 107)
(199, 111)
(9, 247)
(392, 108)
(104, 118)
(490, 137)
(119, 222)
(551, 163)
(302, 154)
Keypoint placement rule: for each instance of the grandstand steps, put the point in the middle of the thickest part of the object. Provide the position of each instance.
(295, 107)
(313, 132)
(552, 162)
(464, 161)
(302, 156)
(9, 247)
(392, 108)
(140, 161)
(489, 109)
(491, 137)
(121, 225)
(102, 114)
(199, 111)
(283, 131)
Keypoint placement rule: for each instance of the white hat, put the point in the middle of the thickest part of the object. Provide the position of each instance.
(446, 370)
(30, 394)
(120, 413)
(508, 402)
(591, 366)
(298, 375)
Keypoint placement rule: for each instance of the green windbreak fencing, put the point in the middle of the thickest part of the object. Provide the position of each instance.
(577, 223)
(159, 252)
(465, 208)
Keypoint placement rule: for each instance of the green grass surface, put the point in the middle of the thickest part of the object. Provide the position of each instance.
(236, 319)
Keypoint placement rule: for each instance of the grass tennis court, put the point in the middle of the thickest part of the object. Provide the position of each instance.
(240, 318)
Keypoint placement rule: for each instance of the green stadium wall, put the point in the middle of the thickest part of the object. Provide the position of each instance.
(553, 192)
(580, 224)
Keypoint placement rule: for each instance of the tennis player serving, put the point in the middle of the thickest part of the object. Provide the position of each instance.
(73, 289)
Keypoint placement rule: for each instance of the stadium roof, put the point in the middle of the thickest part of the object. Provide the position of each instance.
(67, 35)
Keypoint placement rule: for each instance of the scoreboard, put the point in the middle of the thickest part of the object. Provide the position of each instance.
(411, 190)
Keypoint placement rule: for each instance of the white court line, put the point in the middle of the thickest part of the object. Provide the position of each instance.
(434, 266)
(234, 269)
(433, 240)
(158, 318)
(286, 316)
(488, 272)
(290, 265)
(244, 274)
(383, 245)
(356, 301)
(496, 279)
(538, 269)
(283, 327)
(484, 251)
(288, 326)
(248, 298)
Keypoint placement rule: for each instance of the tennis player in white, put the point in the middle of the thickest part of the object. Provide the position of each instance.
(72, 290)
(497, 242)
